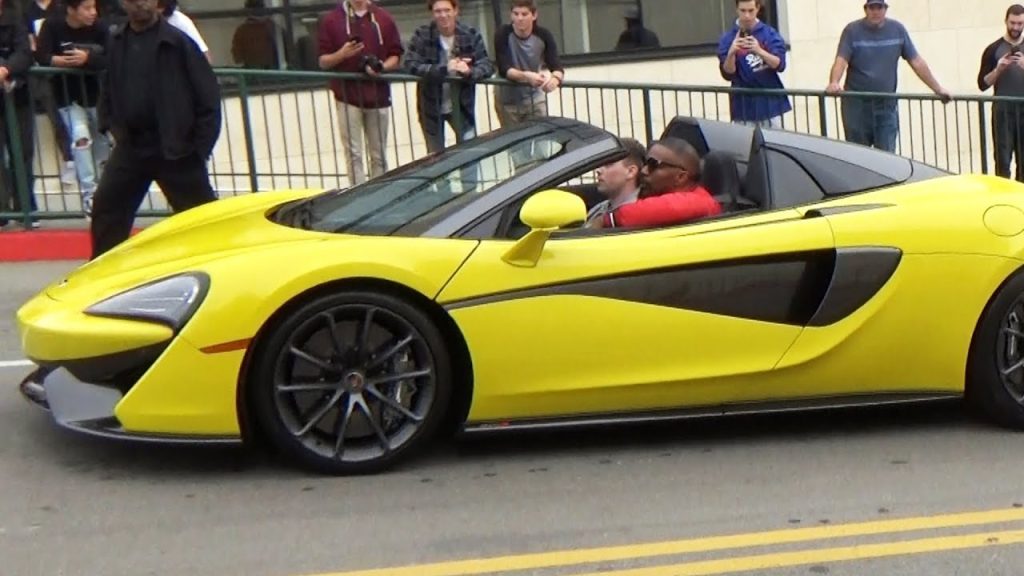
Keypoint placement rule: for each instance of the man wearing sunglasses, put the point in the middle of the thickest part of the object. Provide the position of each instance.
(673, 194)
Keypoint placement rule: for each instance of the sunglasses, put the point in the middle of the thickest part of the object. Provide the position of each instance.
(653, 164)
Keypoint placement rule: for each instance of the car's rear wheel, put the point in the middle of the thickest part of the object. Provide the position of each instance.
(352, 383)
(996, 366)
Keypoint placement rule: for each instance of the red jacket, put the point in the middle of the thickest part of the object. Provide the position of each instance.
(379, 35)
(669, 208)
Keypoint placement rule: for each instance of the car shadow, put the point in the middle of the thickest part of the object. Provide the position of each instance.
(117, 459)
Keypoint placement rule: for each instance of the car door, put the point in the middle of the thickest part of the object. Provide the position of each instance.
(619, 322)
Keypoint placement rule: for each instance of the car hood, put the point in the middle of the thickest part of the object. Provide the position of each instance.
(188, 239)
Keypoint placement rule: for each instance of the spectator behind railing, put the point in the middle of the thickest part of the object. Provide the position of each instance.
(15, 61)
(869, 52)
(358, 36)
(527, 55)
(751, 55)
(1002, 66)
(441, 52)
(36, 12)
(76, 40)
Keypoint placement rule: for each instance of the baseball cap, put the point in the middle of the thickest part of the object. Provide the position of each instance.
(876, 3)
(631, 13)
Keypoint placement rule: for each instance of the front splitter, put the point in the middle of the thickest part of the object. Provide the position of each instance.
(89, 408)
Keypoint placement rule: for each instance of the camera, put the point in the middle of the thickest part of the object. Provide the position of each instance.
(374, 63)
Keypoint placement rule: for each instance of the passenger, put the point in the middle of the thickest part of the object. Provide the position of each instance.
(619, 182)
(673, 193)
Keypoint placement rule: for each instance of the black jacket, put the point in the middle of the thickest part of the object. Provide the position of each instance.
(15, 54)
(187, 94)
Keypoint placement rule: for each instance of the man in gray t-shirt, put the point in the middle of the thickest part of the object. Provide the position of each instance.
(869, 52)
(527, 55)
(1002, 67)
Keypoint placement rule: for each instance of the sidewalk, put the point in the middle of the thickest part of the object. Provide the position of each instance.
(53, 240)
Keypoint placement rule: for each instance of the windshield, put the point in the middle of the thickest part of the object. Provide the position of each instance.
(426, 191)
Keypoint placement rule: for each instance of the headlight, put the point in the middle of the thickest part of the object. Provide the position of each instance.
(170, 301)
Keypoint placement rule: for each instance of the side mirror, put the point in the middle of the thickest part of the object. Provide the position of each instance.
(544, 212)
(553, 209)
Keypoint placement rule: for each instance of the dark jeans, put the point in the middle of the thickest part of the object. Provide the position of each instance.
(433, 133)
(871, 122)
(433, 130)
(125, 182)
(9, 196)
(1007, 124)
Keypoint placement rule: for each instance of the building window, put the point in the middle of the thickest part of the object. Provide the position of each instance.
(584, 29)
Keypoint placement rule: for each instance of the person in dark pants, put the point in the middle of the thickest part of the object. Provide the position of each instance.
(161, 102)
(15, 60)
(1002, 67)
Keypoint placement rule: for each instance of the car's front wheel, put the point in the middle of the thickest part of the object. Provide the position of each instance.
(996, 367)
(351, 383)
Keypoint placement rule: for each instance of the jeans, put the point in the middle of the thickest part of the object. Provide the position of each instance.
(1007, 124)
(433, 131)
(871, 122)
(89, 148)
(355, 122)
(774, 123)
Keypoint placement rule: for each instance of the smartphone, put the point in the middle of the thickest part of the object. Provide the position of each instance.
(66, 47)
(744, 33)
(356, 39)
(1014, 50)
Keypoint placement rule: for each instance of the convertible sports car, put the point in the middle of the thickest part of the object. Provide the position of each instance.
(348, 328)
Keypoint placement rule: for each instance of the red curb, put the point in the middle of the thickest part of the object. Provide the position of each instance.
(42, 245)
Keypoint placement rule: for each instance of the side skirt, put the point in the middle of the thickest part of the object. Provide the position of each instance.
(803, 405)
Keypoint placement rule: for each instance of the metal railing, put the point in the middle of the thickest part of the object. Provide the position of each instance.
(280, 130)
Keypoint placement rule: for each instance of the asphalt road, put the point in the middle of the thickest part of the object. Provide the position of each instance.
(890, 491)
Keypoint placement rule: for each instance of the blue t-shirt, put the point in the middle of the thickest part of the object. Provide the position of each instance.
(874, 54)
(753, 72)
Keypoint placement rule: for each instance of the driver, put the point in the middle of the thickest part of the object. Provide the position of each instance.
(673, 193)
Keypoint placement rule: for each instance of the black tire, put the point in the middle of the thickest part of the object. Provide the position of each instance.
(302, 398)
(998, 345)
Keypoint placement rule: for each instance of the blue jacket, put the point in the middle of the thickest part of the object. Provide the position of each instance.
(753, 72)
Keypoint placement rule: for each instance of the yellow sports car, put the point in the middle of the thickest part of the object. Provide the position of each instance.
(350, 327)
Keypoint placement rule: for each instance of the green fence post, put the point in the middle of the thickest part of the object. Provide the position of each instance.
(648, 116)
(17, 159)
(250, 146)
(984, 137)
(455, 95)
(823, 115)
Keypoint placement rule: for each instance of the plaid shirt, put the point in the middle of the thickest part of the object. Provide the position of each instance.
(424, 58)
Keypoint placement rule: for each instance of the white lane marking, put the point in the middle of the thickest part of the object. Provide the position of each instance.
(16, 363)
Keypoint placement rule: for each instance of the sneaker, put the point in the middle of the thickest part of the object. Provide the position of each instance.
(68, 174)
(87, 205)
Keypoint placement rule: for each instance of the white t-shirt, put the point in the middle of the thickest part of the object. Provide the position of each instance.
(186, 25)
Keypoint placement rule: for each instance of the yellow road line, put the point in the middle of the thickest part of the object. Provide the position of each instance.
(824, 556)
(703, 544)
